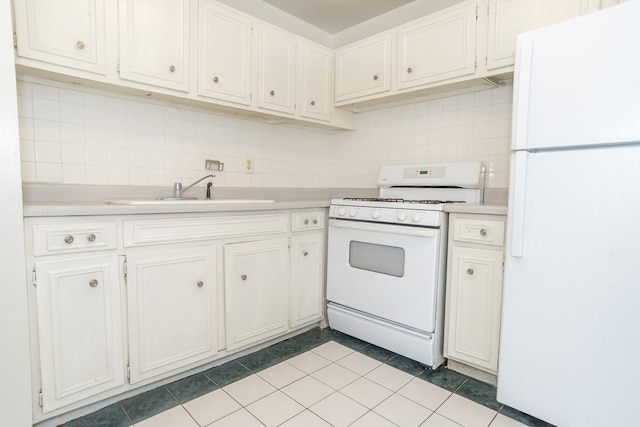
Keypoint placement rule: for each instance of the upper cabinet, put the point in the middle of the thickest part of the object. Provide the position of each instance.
(70, 33)
(363, 68)
(508, 18)
(439, 47)
(224, 59)
(154, 42)
(276, 69)
(316, 81)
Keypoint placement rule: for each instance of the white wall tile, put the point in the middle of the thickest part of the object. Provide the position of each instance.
(145, 142)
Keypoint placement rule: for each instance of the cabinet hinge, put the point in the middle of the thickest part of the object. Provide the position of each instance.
(40, 399)
(118, 67)
(477, 11)
(33, 277)
(488, 6)
(124, 267)
(15, 40)
(475, 63)
(129, 372)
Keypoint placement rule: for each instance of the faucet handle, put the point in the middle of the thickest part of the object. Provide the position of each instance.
(177, 189)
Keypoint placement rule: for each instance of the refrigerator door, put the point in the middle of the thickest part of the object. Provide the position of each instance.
(576, 83)
(571, 305)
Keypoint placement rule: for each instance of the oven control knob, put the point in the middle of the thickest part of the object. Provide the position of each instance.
(375, 214)
(402, 216)
(353, 212)
(342, 211)
(417, 217)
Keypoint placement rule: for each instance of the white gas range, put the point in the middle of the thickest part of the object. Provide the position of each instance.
(387, 257)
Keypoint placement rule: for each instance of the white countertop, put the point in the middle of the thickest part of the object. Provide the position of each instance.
(477, 208)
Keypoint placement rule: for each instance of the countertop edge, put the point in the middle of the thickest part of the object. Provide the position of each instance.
(476, 208)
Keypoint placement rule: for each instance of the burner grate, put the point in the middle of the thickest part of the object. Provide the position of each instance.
(424, 202)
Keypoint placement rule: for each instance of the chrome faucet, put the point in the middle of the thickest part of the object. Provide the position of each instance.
(178, 189)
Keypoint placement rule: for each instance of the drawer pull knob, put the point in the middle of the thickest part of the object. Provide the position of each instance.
(315, 221)
(375, 77)
(216, 79)
(483, 232)
(91, 237)
(243, 277)
(306, 222)
(470, 271)
(200, 283)
(172, 69)
(80, 44)
(305, 253)
(272, 93)
(68, 239)
(409, 70)
(93, 283)
(313, 103)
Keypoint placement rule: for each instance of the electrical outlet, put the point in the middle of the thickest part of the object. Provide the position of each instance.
(249, 164)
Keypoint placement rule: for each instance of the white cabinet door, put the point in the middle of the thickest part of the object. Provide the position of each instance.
(276, 69)
(364, 68)
(67, 32)
(172, 309)
(508, 18)
(307, 278)
(224, 70)
(317, 81)
(80, 328)
(154, 42)
(256, 297)
(439, 47)
(474, 306)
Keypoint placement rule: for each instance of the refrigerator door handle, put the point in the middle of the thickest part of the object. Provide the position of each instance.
(516, 214)
(522, 83)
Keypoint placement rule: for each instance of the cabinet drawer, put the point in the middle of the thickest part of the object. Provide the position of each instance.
(53, 239)
(479, 231)
(301, 221)
(148, 232)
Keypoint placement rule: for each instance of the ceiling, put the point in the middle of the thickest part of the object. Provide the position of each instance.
(334, 16)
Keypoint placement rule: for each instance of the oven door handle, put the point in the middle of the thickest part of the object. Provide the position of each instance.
(383, 228)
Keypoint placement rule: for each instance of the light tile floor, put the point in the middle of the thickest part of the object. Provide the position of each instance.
(319, 379)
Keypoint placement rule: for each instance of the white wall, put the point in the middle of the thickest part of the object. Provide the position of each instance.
(82, 136)
(15, 382)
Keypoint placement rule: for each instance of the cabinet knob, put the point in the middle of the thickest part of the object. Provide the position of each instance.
(200, 283)
(375, 77)
(243, 277)
(313, 103)
(80, 44)
(91, 237)
(409, 70)
(315, 221)
(273, 92)
(470, 271)
(93, 283)
(215, 79)
(306, 222)
(172, 68)
(483, 232)
(305, 253)
(68, 239)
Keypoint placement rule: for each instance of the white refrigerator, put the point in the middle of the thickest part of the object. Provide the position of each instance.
(570, 343)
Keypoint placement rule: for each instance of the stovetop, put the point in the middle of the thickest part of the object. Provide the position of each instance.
(396, 200)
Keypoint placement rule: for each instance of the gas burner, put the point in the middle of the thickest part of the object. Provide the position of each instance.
(385, 200)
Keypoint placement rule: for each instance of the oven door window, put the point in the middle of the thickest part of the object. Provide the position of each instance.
(377, 258)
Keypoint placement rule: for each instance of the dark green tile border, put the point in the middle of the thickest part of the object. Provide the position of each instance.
(145, 405)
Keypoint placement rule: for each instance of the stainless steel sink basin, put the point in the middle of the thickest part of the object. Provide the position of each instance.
(185, 201)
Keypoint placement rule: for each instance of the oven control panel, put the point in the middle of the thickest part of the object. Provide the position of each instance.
(388, 215)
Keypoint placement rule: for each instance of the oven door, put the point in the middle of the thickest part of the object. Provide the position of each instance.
(388, 271)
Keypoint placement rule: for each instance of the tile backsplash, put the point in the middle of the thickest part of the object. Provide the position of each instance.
(81, 136)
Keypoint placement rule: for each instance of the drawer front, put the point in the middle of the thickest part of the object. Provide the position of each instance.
(51, 239)
(149, 232)
(478, 231)
(301, 221)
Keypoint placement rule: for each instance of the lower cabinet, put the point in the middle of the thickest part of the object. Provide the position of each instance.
(256, 294)
(474, 290)
(80, 328)
(172, 312)
(307, 278)
(120, 302)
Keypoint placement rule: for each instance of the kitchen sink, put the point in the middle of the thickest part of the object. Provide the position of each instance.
(185, 201)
